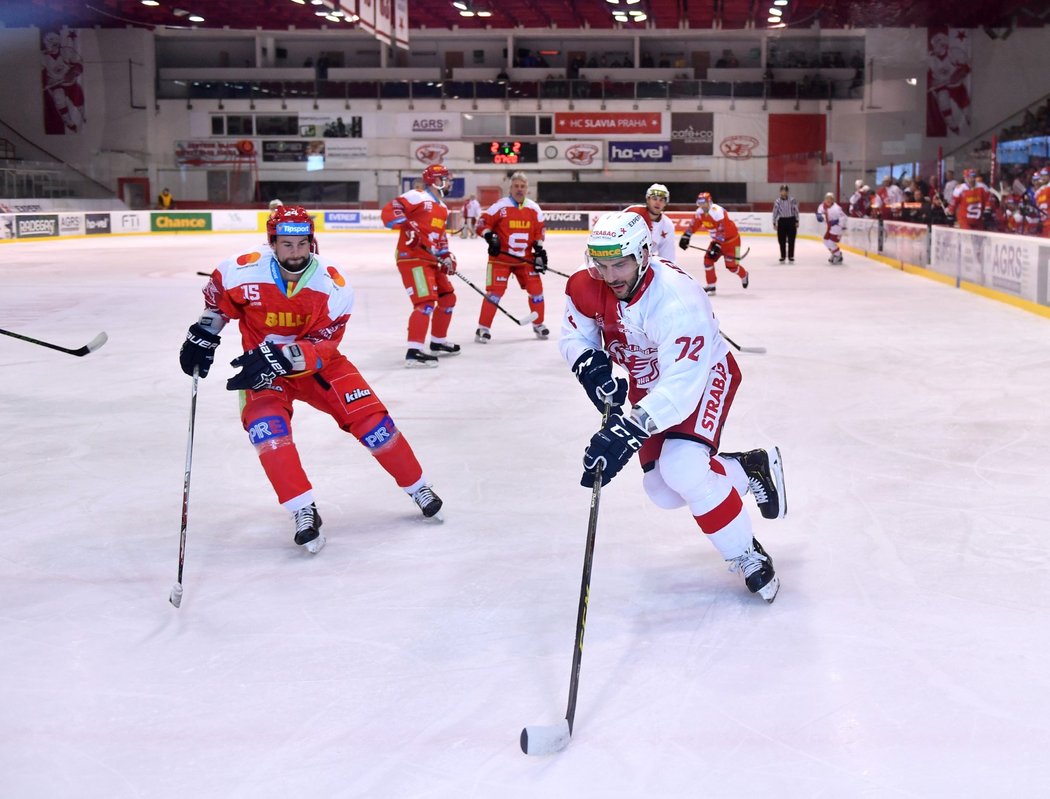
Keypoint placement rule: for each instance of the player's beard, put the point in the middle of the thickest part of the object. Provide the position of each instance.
(295, 265)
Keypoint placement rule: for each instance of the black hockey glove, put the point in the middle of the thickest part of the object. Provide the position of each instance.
(493, 240)
(714, 250)
(683, 243)
(259, 368)
(198, 350)
(594, 371)
(539, 258)
(611, 448)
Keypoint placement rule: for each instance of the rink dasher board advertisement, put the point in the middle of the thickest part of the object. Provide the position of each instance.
(746, 221)
(1013, 265)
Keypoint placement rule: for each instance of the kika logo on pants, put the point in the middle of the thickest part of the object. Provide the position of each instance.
(356, 394)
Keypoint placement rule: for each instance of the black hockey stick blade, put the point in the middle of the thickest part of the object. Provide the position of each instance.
(705, 249)
(756, 350)
(80, 352)
(545, 739)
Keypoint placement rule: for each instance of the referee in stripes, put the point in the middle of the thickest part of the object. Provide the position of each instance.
(785, 220)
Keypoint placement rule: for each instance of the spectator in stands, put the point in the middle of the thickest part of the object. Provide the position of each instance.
(949, 185)
(165, 202)
(471, 213)
(937, 214)
(647, 61)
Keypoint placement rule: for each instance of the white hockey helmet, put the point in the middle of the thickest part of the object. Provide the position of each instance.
(275, 204)
(658, 190)
(616, 235)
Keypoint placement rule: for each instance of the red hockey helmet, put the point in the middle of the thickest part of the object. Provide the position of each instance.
(970, 175)
(289, 220)
(438, 176)
(703, 197)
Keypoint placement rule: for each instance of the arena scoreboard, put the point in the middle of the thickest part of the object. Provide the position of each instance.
(505, 152)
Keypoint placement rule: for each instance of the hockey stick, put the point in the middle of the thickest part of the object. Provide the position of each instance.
(548, 739)
(706, 250)
(759, 350)
(532, 317)
(176, 592)
(80, 352)
(533, 263)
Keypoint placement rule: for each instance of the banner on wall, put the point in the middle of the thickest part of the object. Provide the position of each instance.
(330, 126)
(433, 125)
(947, 82)
(366, 12)
(338, 152)
(693, 133)
(292, 151)
(797, 145)
(384, 19)
(63, 67)
(639, 152)
(573, 154)
(603, 124)
(401, 23)
(214, 151)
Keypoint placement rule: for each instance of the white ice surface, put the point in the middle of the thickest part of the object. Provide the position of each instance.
(906, 655)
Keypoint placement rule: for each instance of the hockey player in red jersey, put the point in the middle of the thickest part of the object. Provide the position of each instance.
(292, 308)
(514, 229)
(831, 214)
(725, 240)
(425, 264)
(1041, 181)
(645, 314)
(661, 228)
(969, 199)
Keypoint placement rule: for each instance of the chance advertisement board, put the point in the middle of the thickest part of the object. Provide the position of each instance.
(178, 221)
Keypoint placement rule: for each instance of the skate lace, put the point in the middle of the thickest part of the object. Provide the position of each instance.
(424, 496)
(748, 563)
(304, 518)
(758, 488)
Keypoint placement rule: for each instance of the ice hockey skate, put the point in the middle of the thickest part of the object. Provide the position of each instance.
(745, 280)
(709, 289)
(429, 502)
(308, 529)
(757, 568)
(415, 359)
(765, 477)
(444, 348)
(541, 331)
(482, 335)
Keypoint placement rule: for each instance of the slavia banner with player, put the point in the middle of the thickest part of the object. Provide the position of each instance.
(948, 82)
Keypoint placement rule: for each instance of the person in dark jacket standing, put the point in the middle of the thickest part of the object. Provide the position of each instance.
(785, 220)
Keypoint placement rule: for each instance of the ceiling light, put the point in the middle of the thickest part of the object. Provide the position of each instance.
(773, 19)
(460, 6)
(775, 12)
(484, 13)
(778, 25)
(300, 2)
(620, 17)
(150, 2)
(466, 13)
(780, 2)
(613, 2)
(195, 18)
(633, 2)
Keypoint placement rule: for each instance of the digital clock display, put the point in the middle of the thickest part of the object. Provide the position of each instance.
(505, 152)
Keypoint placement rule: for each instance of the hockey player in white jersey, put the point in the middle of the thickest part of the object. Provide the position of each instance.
(645, 314)
(831, 214)
(661, 226)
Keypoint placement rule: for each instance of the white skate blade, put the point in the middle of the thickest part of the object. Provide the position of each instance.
(421, 364)
(315, 546)
(545, 739)
(769, 591)
(776, 468)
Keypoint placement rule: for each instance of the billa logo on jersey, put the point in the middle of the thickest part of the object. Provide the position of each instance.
(166, 222)
(287, 319)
